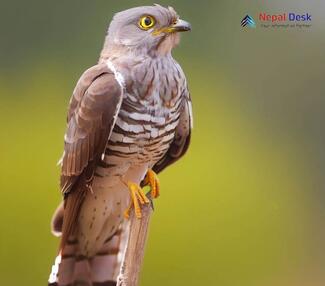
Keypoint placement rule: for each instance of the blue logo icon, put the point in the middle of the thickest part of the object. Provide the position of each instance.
(248, 21)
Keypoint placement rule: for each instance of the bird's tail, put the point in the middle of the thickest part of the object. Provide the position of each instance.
(71, 269)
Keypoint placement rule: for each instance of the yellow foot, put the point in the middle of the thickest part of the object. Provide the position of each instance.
(152, 180)
(138, 198)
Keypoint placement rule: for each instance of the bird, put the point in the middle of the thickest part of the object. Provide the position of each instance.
(129, 117)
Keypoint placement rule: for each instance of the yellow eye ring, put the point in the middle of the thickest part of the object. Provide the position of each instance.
(147, 22)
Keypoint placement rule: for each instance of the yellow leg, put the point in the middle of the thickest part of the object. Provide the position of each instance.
(152, 180)
(137, 198)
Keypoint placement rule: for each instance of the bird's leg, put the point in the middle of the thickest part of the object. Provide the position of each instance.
(152, 180)
(138, 198)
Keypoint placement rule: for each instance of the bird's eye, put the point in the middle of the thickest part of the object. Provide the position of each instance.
(146, 22)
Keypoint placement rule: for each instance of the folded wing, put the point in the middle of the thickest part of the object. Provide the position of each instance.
(182, 139)
(92, 113)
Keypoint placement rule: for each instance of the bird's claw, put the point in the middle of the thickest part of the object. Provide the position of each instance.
(152, 180)
(138, 198)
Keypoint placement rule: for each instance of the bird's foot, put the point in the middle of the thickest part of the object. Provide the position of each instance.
(152, 180)
(138, 198)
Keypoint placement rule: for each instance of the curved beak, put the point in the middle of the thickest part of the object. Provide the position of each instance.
(181, 26)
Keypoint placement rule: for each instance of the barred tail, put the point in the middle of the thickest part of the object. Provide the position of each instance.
(71, 269)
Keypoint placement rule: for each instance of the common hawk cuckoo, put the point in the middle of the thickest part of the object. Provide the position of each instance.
(129, 118)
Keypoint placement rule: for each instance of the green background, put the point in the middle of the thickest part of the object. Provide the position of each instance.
(244, 207)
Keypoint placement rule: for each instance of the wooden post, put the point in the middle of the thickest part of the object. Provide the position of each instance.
(134, 253)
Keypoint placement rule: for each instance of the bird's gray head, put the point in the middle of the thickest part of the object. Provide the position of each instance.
(149, 30)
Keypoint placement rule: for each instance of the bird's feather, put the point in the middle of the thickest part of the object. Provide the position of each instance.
(182, 138)
(91, 117)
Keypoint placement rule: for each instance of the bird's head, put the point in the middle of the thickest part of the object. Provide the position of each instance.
(145, 30)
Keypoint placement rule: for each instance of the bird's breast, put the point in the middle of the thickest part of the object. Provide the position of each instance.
(149, 114)
(143, 131)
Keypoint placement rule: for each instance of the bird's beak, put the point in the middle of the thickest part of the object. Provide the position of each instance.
(180, 26)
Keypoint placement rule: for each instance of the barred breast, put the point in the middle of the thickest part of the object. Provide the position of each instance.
(148, 117)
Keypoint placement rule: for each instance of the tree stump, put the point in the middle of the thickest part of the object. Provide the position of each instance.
(134, 253)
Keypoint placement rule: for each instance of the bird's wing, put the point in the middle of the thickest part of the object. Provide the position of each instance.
(182, 138)
(93, 110)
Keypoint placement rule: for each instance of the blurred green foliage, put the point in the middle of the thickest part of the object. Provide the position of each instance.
(244, 207)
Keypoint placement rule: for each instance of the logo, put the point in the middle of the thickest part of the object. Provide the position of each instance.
(264, 17)
(248, 21)
(278, 20)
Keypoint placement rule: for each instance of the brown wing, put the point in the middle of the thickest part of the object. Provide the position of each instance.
(182, 139)
(92, 112)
